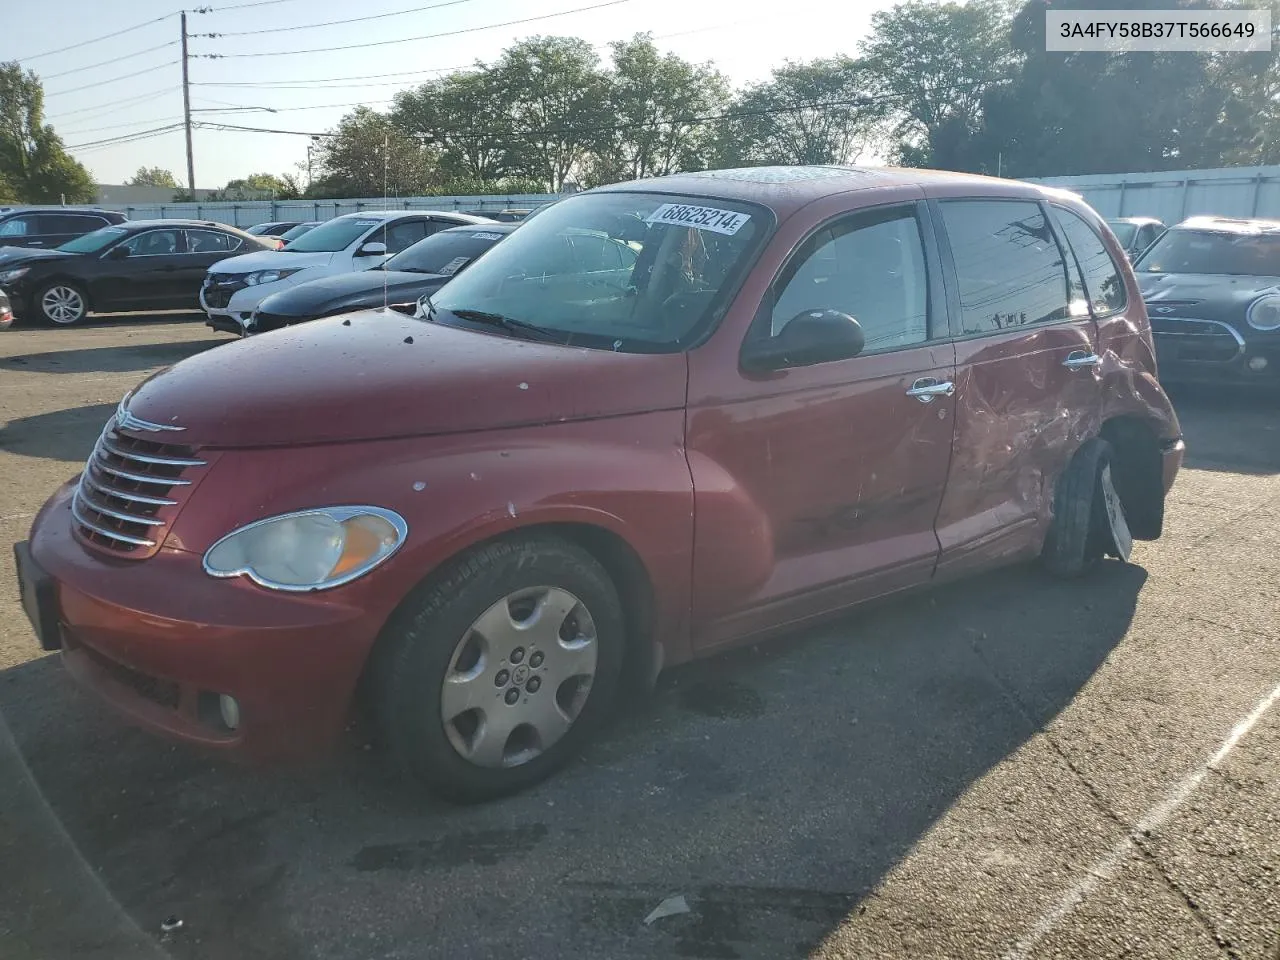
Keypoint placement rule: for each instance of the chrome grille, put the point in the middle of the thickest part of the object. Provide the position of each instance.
(126, 495)
(1191, 339)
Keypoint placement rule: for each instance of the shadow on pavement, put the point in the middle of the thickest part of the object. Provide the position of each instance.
(114, 359)
(61, 435)
(774, 787)
(1237, 431)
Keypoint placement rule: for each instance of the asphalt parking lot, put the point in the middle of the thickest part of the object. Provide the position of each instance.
(1009, 767)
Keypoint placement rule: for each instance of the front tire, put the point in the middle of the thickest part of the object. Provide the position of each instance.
(500, 670)
(61, 303)
(1088, 517)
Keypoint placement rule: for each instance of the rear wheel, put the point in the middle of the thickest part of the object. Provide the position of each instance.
(62, 304)
(500, 671)
(1088, 517)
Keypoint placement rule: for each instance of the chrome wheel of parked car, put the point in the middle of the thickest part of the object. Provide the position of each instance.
(1088, 518)
(498, 670)
(62, 304)
(520, 677)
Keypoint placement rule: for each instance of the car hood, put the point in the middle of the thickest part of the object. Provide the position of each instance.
(16, 256)
(363, 289)
(380, 374)
(270, 260)
(1206, 296)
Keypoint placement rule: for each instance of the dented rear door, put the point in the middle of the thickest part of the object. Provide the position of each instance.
(1027, 389)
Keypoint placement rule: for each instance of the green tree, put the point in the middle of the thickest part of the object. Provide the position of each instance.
(467, 116)
(33, 162)
(153, 177)
(368, 154)
(658, 103)
(556, 95)
(934, 63)
(816, 112)
(259, 186)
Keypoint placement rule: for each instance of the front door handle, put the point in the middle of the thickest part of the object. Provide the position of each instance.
(926, 388)
(1079, 359)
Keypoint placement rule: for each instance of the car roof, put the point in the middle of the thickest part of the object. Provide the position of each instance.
(6, 211)
(401, 214)
(786, 189)
(176, 222)
(488, 228)
(1137, 221)
(1230, 224)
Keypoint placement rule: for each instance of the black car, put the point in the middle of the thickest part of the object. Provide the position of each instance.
(1212, 289)
(298, 229)
(137, 265)
(276, 228)
(418, 270)
(49, 227)
(1136, 233)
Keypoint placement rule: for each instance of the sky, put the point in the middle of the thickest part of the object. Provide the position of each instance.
(270, 55)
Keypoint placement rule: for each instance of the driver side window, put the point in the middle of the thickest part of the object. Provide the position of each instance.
(869, 267)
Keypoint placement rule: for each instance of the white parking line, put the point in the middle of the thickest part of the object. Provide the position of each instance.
(1104, 868)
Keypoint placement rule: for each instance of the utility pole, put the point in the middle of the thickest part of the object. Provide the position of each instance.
(186, 110)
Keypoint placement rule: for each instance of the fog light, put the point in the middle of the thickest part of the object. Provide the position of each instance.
(1257, 363)
(230, 711)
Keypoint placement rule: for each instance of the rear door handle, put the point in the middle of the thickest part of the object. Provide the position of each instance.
(926, 388)
(1078, 359)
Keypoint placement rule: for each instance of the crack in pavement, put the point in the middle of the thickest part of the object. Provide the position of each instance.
(1133, 833)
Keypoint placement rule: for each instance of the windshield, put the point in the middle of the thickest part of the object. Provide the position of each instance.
(293, 233)
(260, 229)
(1202, 251)
(93, 242)
(445, 253)
(633, 272)
(335, 235)
(1124, 231)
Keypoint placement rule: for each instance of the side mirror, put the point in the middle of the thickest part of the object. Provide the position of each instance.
(372, 249)
(120, 252)
(814, 336)
(409, 309)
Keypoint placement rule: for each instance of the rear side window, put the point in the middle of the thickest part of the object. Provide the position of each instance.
(1009, 266)
(211, 241)
(70, 223)
(18, 226)
(1103, 280)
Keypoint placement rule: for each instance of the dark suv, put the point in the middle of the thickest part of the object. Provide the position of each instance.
(49, 227)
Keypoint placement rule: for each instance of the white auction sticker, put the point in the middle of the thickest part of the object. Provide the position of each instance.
(714, 219)
(453, 266)
(486, 236)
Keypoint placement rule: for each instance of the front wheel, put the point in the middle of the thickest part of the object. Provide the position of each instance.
(62, 304)
(1088, 516)
(499, 672)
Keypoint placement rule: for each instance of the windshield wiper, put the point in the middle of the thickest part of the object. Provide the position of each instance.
(510, 324)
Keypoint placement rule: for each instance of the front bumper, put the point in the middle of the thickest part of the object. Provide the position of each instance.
(159, 640)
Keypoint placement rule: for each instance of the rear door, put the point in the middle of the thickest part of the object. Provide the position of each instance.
(844, 463)
(203, 248)
(1027, 387)
(22, 230)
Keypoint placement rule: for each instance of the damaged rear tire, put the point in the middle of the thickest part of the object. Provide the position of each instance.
(1088, 517)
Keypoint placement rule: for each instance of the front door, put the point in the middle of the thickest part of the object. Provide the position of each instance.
(1027, 385)
(147, 279)
(817, 486)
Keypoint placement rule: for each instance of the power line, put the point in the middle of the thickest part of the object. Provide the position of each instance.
(112, 105)
(428, 36)
(337, 82)
(117, 126)
(127, 138)
(106, 36)
(104, 63)
(126, 76)
(241, 6)
(333, 23)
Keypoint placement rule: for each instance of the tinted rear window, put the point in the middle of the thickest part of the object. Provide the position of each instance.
(1009, 266)
(1103, 279)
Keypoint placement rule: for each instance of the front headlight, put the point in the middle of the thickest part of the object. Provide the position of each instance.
(309, 550)
(1264, 314)
(8, 276)
(267, 276)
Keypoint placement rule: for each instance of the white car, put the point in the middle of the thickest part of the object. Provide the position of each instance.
(354, 241)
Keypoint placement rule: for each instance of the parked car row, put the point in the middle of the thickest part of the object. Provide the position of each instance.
(654, 420)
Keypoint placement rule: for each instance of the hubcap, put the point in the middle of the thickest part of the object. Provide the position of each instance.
(1121, 538)
(519, 677)
(62, 304)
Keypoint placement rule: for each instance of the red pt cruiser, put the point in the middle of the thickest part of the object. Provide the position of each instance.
(661, 418)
